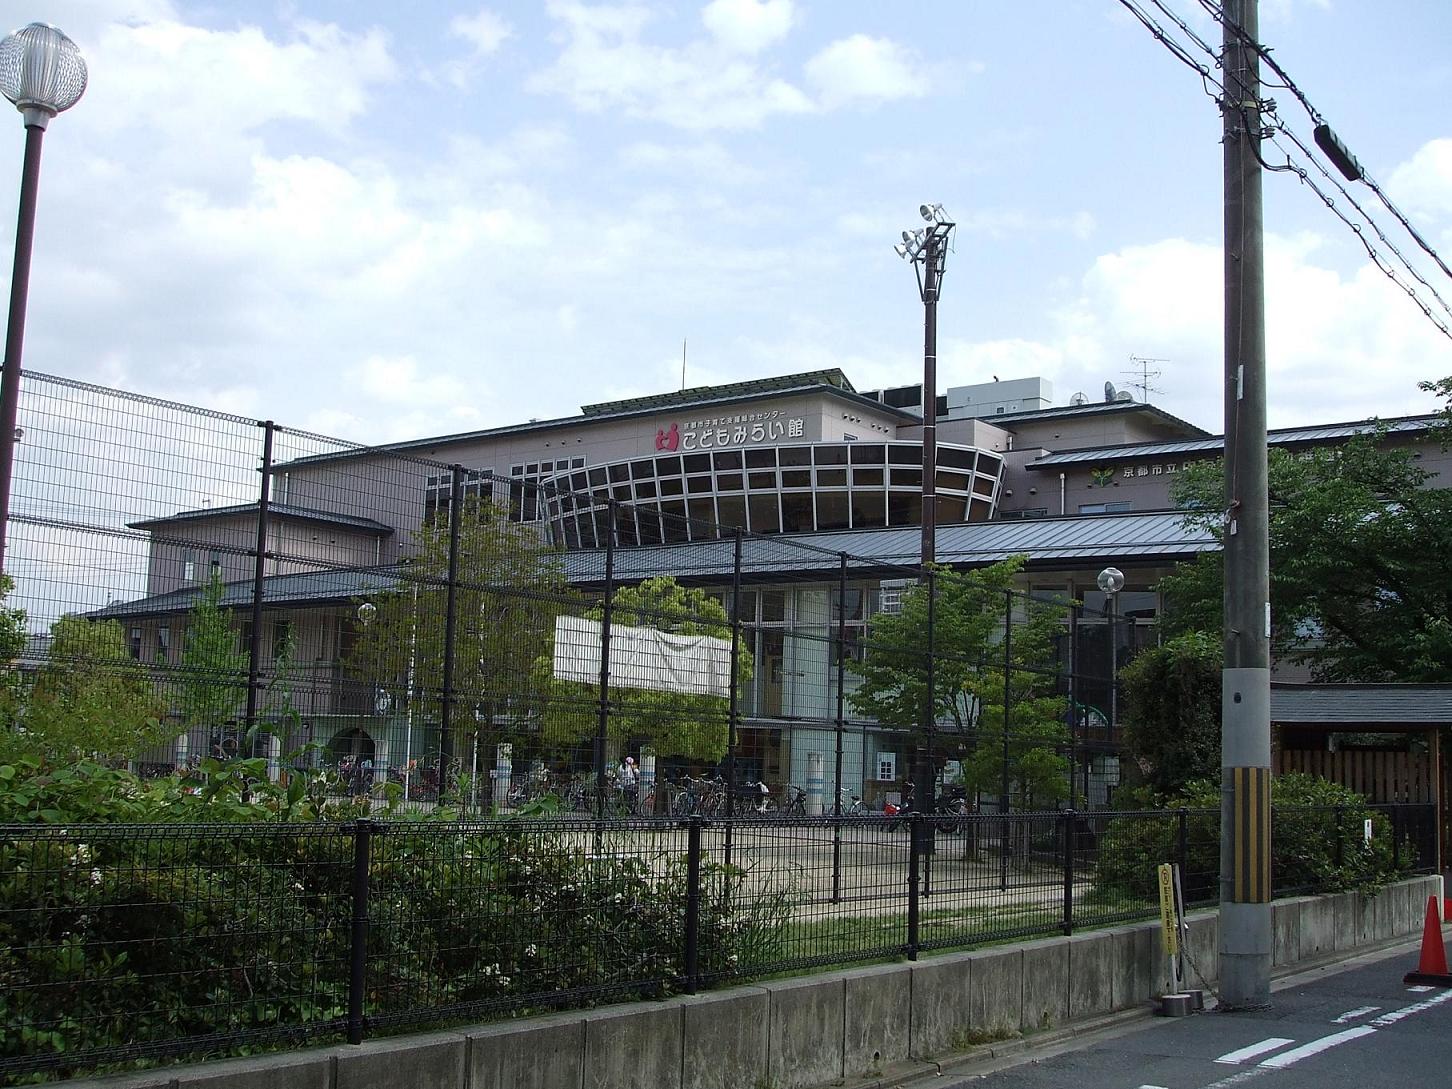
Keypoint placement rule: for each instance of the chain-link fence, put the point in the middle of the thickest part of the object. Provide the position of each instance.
(128, 942)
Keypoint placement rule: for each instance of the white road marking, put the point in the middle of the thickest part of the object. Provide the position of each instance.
(1352, 1015)
(1407, 1011)
(1315, 1047)
(1421, 988)
(1236, 1057)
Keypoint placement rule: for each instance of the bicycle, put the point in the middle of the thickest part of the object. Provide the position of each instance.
(855, 807)
(796, 801)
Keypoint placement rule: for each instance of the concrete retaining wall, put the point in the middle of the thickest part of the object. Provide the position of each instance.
(817, 1030)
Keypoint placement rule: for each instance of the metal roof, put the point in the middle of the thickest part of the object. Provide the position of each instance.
(831, 376)
(1126, 538)
(412, 446)
(1357, 705)
(309, 588)
(280, 510)
(1289, 436)
(1123, 538)
(1096, 408)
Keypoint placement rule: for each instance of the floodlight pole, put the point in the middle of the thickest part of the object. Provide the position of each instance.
(1245, 838)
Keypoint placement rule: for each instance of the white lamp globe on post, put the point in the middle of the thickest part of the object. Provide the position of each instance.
(42, 72)
(1111, 581)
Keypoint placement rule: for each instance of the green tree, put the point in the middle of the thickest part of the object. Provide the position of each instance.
(1170, 713)
(510, 587)
(12, 643)
(1360, 560)
(969, 688)
(213, 672)
(91, 698)
(689, 724)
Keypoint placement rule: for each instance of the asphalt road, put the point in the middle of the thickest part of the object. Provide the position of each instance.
(1362, 1028)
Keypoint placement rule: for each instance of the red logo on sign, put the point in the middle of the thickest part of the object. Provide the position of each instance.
(668, 440)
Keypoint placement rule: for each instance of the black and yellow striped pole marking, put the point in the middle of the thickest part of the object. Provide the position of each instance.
(1251, 832)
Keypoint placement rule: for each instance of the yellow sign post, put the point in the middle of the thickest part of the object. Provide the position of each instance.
(1169, 924)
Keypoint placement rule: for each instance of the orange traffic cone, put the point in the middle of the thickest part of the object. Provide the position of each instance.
(1432, 966)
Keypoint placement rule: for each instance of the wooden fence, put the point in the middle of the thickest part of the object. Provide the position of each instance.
(1380, 776)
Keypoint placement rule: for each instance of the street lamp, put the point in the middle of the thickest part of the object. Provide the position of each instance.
(42, 72)
(1111, 581)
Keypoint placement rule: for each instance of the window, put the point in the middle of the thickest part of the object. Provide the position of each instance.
(134, 643)
(163, 644)
(281, 638)
(886, 767)
(1030, 512)
(1105, 508)
(189, 567)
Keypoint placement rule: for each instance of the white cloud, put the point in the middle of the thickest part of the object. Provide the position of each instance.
(864, 69)
(748, 26)
(483, 30)
(398, 380)
(1423, 184)
(605, 64)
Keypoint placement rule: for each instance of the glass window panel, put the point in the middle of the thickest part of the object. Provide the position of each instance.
(698, 463)
(796, 512)
(955, 458)
(668, 466)
(832, 510)
(699, 484)
(645, 489)
(703, 520)
(955, 482)
(867, 453)
(900, 454)
(903, 478)
(989, 463)
(621, 492)
(649, 523)
(731, 511)
(867, 477)
(795, 455)
(674, 522)
(642, 469)
(671, 486)
(729, 482)
(983, 485)
(763, 480)
(904, 509)
(597, 477)
(765, 515)
(619, 472)
(761, 458)
(832, 478)
(727, 459)
(796, 478)
(979, 510)
(950, 509)
(869, 509)
(849, 602)
(831, 455)
(773, 606)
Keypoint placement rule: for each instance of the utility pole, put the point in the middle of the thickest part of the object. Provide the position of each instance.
(1245, 834)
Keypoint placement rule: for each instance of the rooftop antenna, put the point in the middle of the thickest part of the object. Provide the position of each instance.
(683, 363)
(1144, 369)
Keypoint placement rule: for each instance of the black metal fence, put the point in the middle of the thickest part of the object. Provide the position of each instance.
(426, 628)
(121, 943)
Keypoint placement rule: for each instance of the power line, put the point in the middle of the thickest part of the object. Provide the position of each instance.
(1227, 100)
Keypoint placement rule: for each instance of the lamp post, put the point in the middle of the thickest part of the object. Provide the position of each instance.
(926, 249)
(1111, 581)
(42, 72)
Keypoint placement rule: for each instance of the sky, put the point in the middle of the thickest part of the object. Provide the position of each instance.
(386, 221)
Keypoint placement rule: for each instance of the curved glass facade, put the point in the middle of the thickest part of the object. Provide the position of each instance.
(769, 489)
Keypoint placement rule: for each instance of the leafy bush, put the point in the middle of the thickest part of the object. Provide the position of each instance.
(136, 911)
(1310, 851)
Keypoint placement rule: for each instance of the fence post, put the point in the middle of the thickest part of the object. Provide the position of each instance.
(1396, 836)
(358, 941)
(451, 622)
(1340, 846)
(1068, 818)
(693, 902)
(1007, 701)
(733, 707)
(841, 724)
(1182, 846)
(259, 571)
(914, 838)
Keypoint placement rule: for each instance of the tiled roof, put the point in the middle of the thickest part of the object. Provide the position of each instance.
(280, 510)
(1352, 705)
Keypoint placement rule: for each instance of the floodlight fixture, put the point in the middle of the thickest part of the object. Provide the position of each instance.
(366, 612)
(41, 71)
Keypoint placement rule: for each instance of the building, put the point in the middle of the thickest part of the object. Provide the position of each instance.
(804, 459)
